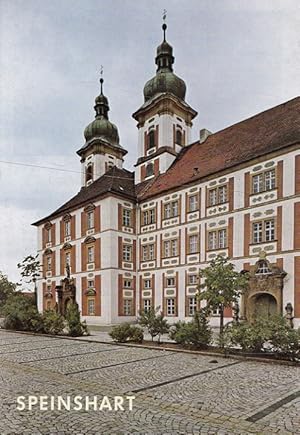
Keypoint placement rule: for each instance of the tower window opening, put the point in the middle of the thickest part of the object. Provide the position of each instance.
(89, 173)
(178, 137)
(149, 169)
(263, 268)
(151, 139)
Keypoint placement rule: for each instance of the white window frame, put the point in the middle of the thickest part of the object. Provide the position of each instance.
(222, 238)
(170, 282)
(212, 240)
(192, 305)
(269, 230)
(68, 258)
(127, 307)
(90, 220)
(170, 303)
(91, 303)
(193, 203)
(49, 263)
(222, 194)
(49, 235)
(147, 305)
(126, 218)
(127, 283)
(192, 279)
(67, 228)
(91, 254)
(91, 283)
(147, 284)
(127, 253)
(193, 244)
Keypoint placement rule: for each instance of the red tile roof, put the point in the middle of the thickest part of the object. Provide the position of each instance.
(266, 132)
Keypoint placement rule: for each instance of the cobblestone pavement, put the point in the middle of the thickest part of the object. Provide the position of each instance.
(175, 393)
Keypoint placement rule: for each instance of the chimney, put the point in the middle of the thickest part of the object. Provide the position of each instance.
(204, 133)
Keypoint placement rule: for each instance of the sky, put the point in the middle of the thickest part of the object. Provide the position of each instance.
(237, 57)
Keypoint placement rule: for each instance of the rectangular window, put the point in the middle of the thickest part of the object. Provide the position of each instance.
(171, 210)
(170, 282)
(145, 252)
(269, 230)
(193, 203)
(147, 283)
(145, 218)
(212, 197)
(212, 240)
(263, 231)
(126, 217)
(174, 248)
(192, 306)
(264, 181)
(193, 244)
(127, 253)
(192, 279)
(128, 307)
(91, 307)
(90, 252)
(167, 249)
(151, 216)
(67, 228)
(170, 307)
(151, 252)
(49, 235)
(222, 239)
(257, 232)
(49, 264)
(218, 195)
(146, 305)
(217, 239)
(127, 283)
(90, 220)
(270, 180)
(222, 194)
(91, 283)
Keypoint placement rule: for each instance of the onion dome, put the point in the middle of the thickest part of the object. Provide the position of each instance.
(101, 127)
(164, 80)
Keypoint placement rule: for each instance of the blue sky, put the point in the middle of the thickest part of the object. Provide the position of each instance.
(237, 58)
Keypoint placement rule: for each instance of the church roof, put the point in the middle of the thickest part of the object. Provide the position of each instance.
(261, 134)
(115, 181)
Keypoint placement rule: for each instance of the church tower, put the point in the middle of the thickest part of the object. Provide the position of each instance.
(102, 149)
(164, 120)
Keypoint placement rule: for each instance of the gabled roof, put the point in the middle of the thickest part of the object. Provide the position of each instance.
(115, 181)
(261, 134)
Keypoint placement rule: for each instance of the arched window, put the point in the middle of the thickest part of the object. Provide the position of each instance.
(178, 137)
(263, 268)
(151, 139)
(149, 169)
(89, 173)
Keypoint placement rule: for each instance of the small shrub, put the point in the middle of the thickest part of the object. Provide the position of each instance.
(126, 332)
(53, 322)
(76, 328)
(176, 328)
(136, 334)
(155, 322)
(196, 333)
(121, 333)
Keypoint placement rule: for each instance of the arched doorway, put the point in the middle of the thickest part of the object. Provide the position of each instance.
(265, 305)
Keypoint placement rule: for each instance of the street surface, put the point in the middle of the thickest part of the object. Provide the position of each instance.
(175, 393)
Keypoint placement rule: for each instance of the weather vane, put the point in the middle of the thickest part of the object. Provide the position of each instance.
(164, 14)
(101, 77)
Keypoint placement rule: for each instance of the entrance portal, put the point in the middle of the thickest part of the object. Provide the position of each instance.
(265, 305)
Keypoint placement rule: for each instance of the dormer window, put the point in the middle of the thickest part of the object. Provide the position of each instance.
(89, 173)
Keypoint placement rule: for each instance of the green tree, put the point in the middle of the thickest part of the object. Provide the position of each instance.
(155, 322)
(21, 314)
(221, 286)
(6, 289)
(30, 268)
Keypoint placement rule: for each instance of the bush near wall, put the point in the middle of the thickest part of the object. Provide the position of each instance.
(126, 332)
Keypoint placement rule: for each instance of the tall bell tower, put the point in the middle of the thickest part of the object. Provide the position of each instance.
(102, 149)
(164, 121)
